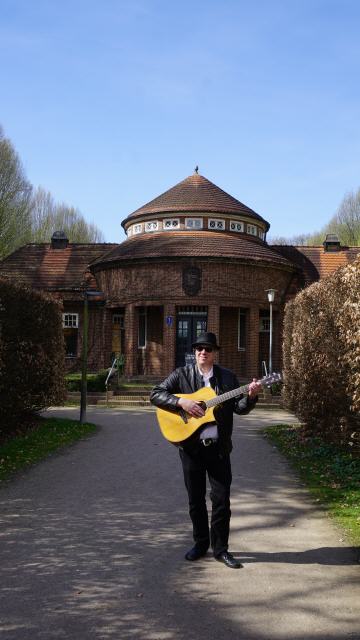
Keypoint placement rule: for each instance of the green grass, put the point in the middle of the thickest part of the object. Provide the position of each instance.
(95, 381)
(332, 475)
(136, 385)
(49, 435)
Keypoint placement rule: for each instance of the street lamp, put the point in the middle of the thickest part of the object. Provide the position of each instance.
(271, 298)
(83, 391)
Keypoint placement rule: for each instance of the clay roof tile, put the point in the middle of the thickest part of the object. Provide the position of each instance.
(40, 266)
(194, 194)
(191, 244)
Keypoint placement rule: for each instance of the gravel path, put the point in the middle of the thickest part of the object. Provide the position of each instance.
(93, 539)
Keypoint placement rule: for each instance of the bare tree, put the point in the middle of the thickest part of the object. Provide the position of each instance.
(299, 240)
(348, 219)
(345, 224)
(27, 216)
(15, 197)
(47, 217)
(42, 215)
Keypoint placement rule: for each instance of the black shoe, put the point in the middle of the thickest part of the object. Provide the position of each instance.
(195, 553)
(228, 559)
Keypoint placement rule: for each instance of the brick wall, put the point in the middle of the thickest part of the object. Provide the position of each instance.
(230, 356)
(149, 360)
(226, 285)
(221, 281)
(98, 353)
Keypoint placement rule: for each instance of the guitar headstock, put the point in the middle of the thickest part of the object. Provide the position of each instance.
(270, 379)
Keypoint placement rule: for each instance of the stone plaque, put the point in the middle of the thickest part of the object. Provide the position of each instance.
(191, 280)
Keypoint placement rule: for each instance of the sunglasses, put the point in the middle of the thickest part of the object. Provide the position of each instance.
(201, 347)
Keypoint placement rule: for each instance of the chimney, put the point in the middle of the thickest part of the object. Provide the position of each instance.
(59, 240)
(331, 243)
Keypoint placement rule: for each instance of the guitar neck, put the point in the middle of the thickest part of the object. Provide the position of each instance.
(227, 396)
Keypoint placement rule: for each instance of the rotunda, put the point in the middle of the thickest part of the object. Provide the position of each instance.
(195, 258)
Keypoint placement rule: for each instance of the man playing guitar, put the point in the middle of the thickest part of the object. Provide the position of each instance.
(207, 451)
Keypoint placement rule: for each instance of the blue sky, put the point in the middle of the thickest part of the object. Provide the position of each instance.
(109, 103)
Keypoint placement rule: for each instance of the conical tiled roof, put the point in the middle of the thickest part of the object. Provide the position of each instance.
(195, 194)
(197, 244)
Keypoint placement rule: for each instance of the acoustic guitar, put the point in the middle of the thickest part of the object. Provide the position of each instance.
(178, 427)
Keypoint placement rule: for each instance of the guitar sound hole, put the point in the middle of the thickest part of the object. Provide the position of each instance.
(203, 405)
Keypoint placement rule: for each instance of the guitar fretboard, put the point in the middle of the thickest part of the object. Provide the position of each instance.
(227, 396)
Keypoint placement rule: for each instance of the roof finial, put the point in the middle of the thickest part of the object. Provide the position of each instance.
(196, 170)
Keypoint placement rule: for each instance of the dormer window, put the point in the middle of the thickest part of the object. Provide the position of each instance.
(261, 234)
(193, 223)
(216, 225)
(137, 228)
(171, 224)
(251, 229)
(236, 226)
(151, 226)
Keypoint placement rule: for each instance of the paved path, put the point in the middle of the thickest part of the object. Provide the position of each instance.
(92, 545)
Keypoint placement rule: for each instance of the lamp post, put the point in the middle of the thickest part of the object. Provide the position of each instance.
(83, 389)
(271, 298)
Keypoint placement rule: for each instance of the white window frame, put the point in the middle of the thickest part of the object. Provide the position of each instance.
(252, 229)
(189, 223)
(137, 228)
(154, 227)
(144, 313)
(237, 223)
(74, 319)
(241, 312)
(174, 224)
(261, 234)
(218, 222)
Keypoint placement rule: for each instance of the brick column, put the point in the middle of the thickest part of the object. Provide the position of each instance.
(278, 319)
(131, 339)
(213, 319)
(253, 343)
(213, 325)
(169, 340)
(106, 333)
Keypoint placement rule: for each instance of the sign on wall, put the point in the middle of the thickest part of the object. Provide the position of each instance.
(191, 281)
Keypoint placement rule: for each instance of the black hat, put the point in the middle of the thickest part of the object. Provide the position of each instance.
(208, 339)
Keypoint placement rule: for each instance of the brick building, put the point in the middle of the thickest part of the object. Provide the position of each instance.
(195, 258)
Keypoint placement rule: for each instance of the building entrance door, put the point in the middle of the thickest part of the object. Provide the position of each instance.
(190, 322)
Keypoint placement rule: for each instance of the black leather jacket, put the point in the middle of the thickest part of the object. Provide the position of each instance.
(189, 379)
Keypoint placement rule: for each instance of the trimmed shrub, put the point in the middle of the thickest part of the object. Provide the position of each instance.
(349, 329)
(31, 352)
(321, 352)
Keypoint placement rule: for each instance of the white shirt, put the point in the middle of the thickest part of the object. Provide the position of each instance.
(211, 431)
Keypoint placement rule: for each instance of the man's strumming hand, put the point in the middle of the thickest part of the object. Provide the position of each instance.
(192, 408)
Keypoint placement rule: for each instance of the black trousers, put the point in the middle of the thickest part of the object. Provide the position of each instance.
(206, 461)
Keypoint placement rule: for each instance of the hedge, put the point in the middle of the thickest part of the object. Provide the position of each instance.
(31, 353)
(321, 355)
